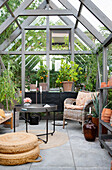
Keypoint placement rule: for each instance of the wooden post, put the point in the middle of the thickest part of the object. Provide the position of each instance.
(47, 48)
(23, 64)
(104, 70)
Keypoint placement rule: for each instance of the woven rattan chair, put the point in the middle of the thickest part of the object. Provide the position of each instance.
(78, 111)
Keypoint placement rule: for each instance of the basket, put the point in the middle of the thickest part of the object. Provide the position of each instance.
(17, 142)
(20, 158)
(19, 148)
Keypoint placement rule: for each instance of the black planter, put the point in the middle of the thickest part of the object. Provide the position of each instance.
(34, 119)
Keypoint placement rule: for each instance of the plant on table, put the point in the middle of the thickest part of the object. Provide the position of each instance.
(68, 72)
(42, 73)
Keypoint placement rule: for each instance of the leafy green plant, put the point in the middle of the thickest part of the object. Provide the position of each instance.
(95, 111)
(42, 73)
(8, 90)
(68, 72)
(95, 99)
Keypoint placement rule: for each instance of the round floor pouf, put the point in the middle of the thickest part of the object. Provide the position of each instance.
(19, 142)
(20, 158)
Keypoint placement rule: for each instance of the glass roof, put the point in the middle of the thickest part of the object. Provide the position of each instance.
(105, 6)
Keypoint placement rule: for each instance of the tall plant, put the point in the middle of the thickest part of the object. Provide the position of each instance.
(7, 89)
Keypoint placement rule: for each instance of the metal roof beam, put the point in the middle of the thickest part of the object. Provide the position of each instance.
(108, 40)
(11, 19)
(79, 12)
(83, 21)
(47, 1)
(17, 32)
(85, 38)
(12, 14)
(98, 13)
(10, 52)
(2, 2)
(43, 12)
(67, 21)
(53, 27)
(105, 44)
(52, 52)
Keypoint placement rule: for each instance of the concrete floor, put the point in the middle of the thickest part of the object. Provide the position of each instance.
(76, 154)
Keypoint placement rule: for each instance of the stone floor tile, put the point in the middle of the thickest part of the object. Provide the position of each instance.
(56, 157)
(77, 152)
(17, 167)
(52, 168)
(92, 168)
(91, 158)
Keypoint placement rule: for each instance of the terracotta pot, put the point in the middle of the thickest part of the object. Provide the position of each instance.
(106, 114)
(96, 122)
(32, 87)
(110, 82)
(89, 131)
(44, 86)
(67, 85)
(103, 84)
(111, 120)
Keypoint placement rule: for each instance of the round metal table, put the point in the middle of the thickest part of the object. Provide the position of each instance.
(37, 108)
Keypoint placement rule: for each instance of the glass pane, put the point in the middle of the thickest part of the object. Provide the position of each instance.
(35, 4)
(83, 29)
(15, 45)
(60, 41)
(105, 6)
(55, 20)
(58, 4)
(6, 34)
(39, 21)
(35, 40)
(75, 3)
(95, 22)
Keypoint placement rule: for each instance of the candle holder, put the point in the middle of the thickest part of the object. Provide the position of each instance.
(36, 90)
(41, 94)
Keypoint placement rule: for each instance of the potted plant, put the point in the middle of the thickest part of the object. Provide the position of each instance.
(42, 75)
(30, 81)
(8, 90)
(68, 73)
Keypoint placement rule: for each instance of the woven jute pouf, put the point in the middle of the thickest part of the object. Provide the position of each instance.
(17, 142)
(20, 158)
(19, 148)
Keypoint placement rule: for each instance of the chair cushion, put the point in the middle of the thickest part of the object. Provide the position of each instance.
(73, 107)
(2, 113)
(83, 97)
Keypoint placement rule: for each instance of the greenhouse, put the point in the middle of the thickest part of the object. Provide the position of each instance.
(55, 84)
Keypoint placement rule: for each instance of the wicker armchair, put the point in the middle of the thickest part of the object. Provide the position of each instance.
(79, 111)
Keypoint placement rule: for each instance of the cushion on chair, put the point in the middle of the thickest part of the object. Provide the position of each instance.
(2, 113)
(83, 97)
(73, 107)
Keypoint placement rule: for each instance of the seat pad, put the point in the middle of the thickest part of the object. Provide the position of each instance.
(73, 107)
